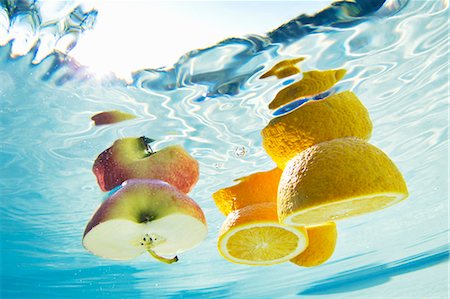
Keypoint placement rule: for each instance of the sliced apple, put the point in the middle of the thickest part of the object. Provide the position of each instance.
(145, 215)
(131, 158)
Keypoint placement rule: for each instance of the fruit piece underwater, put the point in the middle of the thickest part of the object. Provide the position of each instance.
(338, 179)
(336, 116)
(145, 215)
(253, 236)
(262, 187)
(256, 188)
(284, 68)
(313, 82)
(130, 158)
(322, 242)
(111, 117)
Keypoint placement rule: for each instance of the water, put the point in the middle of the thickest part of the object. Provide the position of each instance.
(396, 58)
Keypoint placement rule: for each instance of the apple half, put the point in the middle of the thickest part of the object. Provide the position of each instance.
(133, 158)
(145, 215)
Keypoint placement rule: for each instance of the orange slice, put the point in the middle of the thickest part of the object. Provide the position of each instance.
(322, 241)
(253, 236)
(256, 188)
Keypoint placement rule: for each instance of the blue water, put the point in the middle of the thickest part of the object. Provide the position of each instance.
(396, 56)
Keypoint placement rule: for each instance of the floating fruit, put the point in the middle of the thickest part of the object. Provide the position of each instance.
(130, 158)
(322, 241)
(256, 188)
(145, 216)
(312, 83)
(253, 236)
(338, 179)
(262, 187)
(339, 115)
(111, 117)
(284, 68)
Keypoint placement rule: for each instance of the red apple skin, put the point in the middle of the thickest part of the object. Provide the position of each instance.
(144, 200)
(128, 158)
(111, 117)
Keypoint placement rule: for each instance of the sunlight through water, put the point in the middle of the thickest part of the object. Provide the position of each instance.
(206, 95)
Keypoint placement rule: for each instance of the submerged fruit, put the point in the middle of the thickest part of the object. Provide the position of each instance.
(284, 68)
(321, 243)
(339, 115)
(253, 236)
(256, 188)
(131, 158)
(312, 83)
(145, 216)
(111, 117)
(338, 179)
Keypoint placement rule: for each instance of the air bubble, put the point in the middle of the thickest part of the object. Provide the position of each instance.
(240, 151)
(218, 165)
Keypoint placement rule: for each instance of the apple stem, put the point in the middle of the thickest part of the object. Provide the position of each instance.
(147, 142)
(162, 259)
(149, 242)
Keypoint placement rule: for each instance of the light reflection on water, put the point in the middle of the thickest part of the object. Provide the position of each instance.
(48, 192)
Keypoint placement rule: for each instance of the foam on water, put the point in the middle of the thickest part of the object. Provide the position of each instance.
(396, 56)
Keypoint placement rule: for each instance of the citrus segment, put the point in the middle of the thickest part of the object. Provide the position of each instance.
(340, 115)
(321, 243)
(338, 179)
(284, 68)
(255, 188)
(312, 83)
(253, 236)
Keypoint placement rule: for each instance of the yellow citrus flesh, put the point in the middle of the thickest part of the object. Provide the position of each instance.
(321, 244)
(312, 83)
(340, 115)
(347, 208)
(338, 179)
(256, 188)
(253, 236)
(284, 68)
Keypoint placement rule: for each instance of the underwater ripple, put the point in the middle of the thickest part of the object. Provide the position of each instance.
(48, 143)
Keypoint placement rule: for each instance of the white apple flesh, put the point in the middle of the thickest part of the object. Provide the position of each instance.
(145, 215)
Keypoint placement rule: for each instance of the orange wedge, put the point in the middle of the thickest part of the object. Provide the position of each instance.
(322, 241)
(256, 188)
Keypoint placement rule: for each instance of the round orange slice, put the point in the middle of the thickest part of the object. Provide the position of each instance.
(253, 236)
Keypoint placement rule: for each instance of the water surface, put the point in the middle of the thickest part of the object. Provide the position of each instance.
(212, 103)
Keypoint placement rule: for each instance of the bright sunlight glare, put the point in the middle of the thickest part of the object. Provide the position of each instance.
(133, 35)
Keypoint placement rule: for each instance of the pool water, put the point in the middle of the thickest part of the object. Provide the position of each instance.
(213, 103)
